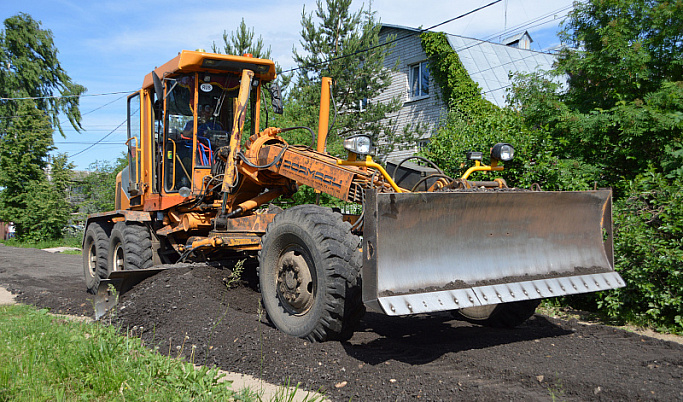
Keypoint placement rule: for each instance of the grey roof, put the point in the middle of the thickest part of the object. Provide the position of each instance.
(400, 27)
(490, 64)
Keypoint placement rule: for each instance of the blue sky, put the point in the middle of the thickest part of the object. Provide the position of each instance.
(109, 45)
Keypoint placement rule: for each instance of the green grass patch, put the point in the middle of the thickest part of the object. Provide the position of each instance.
(46, 357)
(68, 241)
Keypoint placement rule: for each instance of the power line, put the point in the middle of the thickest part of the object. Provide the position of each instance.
(87, 143)
(82, 114)
(391, 41)
(101, 139)
(106, 104)
(525, 24)
(66, 96)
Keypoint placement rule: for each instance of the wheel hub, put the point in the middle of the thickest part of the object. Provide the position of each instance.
(119, 261)
(294, 282)
(92, 261)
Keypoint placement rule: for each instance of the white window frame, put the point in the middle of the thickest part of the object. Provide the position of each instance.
(423, 91)
(423, 144)
(362, 104)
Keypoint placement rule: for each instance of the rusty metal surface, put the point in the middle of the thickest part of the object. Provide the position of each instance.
(422, 243)
(255, 223)
(317, 170)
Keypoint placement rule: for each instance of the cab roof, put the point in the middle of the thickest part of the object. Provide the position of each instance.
(188, 61)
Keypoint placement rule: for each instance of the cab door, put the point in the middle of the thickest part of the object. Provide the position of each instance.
(134, 151)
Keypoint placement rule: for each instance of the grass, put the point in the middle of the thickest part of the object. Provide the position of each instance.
(67, 241)
(46, 357)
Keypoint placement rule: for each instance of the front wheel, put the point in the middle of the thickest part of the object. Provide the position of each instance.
(505, 315)
(309, 269)
(130, 247)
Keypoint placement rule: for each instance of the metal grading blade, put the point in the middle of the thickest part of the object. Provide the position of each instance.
(425, 252)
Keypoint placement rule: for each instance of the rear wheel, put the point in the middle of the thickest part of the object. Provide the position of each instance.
(95, 245)
(309, 269)
(505, 315)
(130, 247)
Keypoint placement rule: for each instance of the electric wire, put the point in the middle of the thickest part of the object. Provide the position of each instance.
(97, 142)
(66, 96)
(318, 63)
(308, 66)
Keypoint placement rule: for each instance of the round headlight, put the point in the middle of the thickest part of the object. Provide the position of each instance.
(359, 144)
(502, 152)
(184, 191)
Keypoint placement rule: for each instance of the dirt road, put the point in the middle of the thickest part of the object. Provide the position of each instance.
(426, 357)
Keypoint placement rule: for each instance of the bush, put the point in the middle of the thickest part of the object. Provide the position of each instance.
(649, 254)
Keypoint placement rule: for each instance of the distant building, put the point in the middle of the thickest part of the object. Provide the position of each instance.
(488, 64)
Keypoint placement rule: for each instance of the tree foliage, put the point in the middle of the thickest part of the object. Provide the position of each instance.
(241, 41)
(623, 108)
(98, 188)
(32, 190)
(649, 252)
(342, 44)
(622, 114)
(29, 68)
(35, 203)
(618, 122)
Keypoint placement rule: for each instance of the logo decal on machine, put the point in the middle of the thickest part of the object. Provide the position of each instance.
(312, 174)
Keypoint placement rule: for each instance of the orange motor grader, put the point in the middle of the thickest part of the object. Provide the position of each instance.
(202, 175)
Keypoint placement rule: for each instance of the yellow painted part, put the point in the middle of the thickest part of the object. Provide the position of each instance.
(479, 168)
(193, 220)
(236, 135)
(324, 117)
(212, 241)
(261, 199)
(369, 163)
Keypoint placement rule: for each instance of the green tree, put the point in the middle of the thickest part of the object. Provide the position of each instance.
(648, 253)
(344, 45)
(242, 41)
(35, 203)
(623, 106)
(99, 186)
(34, 200)
(29, 68)
(622, 113)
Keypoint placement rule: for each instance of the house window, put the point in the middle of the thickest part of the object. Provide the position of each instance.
(422, 145)
(362, 105)
(419, 80)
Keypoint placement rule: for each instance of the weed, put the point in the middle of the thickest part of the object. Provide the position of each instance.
(235, 275)
(556, 390)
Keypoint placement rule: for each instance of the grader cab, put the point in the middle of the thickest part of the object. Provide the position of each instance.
(203, 172)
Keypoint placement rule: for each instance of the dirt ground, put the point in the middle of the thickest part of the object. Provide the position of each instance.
(426, 357)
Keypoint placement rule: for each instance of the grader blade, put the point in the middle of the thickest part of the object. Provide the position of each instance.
(427, 252)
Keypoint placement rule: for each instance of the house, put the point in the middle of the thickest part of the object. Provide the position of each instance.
(488, 64)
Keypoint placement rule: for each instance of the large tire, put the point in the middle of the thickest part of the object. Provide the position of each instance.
(505, 315)
(95, 254)
(309, 270)
(130, 247)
